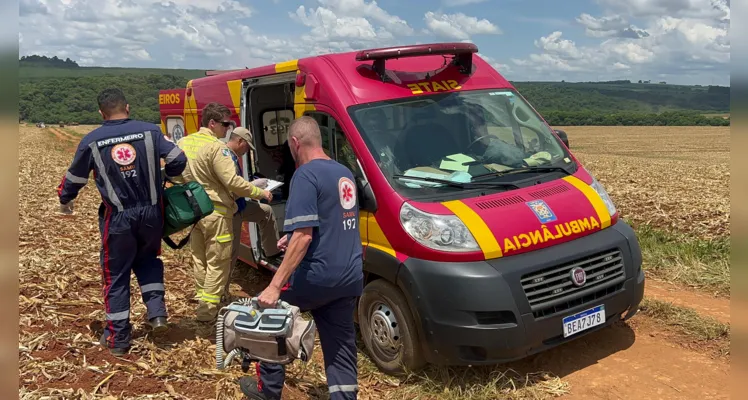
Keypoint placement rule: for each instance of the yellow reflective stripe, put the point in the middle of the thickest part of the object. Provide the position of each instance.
(594, 199)
(256, 192)
(220, 209)
(223, 238)
(208, 298)
(286, 66)
(371, 230)
(477, 227)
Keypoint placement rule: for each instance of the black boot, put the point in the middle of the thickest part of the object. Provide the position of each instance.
(115, 351)
(248, 386)
(158, 324)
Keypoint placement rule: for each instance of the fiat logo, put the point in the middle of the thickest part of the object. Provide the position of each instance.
(578, 276)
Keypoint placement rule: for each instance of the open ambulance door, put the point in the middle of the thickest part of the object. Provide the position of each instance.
(266, 103)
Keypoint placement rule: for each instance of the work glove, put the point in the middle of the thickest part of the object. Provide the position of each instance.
(261, 183)
(67, 208)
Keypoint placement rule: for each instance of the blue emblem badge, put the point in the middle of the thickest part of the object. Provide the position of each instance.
(542, 211)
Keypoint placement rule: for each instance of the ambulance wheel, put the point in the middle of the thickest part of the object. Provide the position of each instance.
(388, 329)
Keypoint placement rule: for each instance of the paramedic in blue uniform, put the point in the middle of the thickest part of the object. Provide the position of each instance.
(322, 269)
(125, 157)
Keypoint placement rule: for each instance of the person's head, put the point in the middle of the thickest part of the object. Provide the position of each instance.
(112, 104)
(305, 140)
(216, 117)
(240, 141)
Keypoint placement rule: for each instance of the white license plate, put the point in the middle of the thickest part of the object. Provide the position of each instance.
(584, 320)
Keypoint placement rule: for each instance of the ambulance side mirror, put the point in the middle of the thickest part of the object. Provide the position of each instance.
(562, 135)
(366, 199)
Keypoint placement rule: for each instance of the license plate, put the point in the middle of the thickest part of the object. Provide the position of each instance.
(584, 320)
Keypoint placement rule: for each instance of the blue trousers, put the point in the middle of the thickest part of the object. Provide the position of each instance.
(337, 335)
(131, 242)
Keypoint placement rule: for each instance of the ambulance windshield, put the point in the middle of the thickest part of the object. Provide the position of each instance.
(461, 137)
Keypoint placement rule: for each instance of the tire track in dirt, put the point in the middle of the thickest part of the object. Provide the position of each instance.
(706, 305)
(64, 137)
(633, 360)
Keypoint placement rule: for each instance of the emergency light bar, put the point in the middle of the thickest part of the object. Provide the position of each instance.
(463, 53)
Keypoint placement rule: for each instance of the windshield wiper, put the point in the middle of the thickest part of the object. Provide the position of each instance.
(524, 169)
(461, 185)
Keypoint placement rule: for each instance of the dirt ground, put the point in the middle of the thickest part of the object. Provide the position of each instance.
(60, 308)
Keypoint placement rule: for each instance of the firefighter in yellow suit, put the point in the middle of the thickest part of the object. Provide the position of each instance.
(209, 162)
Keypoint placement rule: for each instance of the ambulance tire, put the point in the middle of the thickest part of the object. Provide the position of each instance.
(388, 329)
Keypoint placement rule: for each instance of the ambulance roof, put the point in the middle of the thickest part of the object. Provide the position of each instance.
(355, 82)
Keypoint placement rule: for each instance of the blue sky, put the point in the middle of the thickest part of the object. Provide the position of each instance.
(678, 41)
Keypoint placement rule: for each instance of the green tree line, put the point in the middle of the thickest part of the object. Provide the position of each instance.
(73, 98)
(615, 98)
(670, 118)
(44, 61)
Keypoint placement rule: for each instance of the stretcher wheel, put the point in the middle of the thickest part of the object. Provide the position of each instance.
(388, 329)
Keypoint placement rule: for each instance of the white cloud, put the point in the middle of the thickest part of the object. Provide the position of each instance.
(458, 26)
(346, 25)
(457, 3)
(26, 7)
(327, 26)
(361, 9)
(109, 31)
(708, 9)
(686, 38)
(503, 69)
(610, 26)
(652, 39)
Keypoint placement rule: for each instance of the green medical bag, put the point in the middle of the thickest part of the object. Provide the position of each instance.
(184, 205)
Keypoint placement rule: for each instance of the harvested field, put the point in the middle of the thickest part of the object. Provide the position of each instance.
(673, 178)
(60, 308)
(673, 185)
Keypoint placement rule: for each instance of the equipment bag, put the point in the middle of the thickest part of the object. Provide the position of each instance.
(184, 205)
(274, 335)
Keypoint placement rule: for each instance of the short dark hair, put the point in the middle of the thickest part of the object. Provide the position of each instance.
(111, 100)
(214, 111)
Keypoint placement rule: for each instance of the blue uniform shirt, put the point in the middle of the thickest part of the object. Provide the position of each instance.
(124, 155)
(323, 196)
(241, 202)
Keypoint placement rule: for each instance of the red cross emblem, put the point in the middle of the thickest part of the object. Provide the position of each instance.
(123, 154)
(347, 193)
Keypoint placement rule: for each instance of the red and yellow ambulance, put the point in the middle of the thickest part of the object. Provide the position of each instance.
(485, 239)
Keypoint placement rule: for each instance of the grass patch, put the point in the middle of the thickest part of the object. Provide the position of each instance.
(688, 322)
(701, 264)
(480, 383)
(72, 132)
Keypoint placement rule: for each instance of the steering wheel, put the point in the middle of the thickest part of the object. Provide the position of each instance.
(480, 138)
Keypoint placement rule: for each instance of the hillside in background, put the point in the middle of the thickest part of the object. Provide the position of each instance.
(625, 96)
(52, 90)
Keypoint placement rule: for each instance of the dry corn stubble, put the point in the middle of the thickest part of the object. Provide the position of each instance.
(61, 306)
(673, 178)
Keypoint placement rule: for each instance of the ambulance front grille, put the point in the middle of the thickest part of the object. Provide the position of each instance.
(501, 202)
(551, 191)
(551, 290)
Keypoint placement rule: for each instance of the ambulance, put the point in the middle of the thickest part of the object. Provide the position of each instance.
(485, 239)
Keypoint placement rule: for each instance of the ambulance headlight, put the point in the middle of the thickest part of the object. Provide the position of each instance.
(604, 195)
(439, 232)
